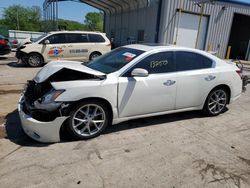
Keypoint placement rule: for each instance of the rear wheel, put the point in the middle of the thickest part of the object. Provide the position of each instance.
(94, 55)
(216, 102)
(35, 60)
(88, 119)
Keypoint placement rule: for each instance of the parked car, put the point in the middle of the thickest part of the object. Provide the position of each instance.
(4, 46)
(133, 81)
(66, 45)
(13, 43)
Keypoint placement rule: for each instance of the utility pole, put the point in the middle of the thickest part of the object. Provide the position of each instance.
(17, 20)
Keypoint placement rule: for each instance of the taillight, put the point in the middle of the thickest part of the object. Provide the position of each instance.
(239, 72)
(14, 42)
(3, 41)
(109, 45)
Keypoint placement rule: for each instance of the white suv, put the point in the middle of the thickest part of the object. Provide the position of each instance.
(67, 45)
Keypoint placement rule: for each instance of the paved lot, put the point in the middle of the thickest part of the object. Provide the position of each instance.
(178, 150)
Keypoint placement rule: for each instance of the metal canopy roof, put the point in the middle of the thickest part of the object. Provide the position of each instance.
(115, 6)
(108, 6)
(239, 3)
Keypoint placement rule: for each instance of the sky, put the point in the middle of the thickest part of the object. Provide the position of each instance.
(67, 10)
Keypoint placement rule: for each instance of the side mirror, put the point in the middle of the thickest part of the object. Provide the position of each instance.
(46, 42)
(138, 72)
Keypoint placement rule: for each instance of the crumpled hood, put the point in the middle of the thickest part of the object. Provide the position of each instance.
(55, 66)
(23, 42)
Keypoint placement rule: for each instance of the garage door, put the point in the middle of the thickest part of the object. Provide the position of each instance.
(188, 30)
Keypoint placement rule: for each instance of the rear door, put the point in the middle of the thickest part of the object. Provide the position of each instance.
(99, 43)
(78, 46)
(196, 77)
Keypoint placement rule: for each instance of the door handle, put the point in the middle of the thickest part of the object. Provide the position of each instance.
(169, 82)
(210, 78)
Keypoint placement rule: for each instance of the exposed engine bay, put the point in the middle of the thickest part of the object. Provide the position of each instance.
(39, 96)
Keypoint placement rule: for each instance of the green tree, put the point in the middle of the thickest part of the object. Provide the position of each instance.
(94, 21)
(71, 25)
(22, 18)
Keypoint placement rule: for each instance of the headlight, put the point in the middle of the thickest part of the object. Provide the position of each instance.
(51, 96)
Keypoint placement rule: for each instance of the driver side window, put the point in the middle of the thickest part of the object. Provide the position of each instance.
(56, 39)
(162, 62)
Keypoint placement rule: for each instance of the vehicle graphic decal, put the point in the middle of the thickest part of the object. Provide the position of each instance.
(76, 51)
(55, 51)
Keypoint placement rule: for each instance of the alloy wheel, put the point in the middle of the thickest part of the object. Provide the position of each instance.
(217, 101)
(88, 120)
(34, 60)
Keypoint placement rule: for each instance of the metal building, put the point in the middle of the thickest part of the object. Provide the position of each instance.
(208, 26)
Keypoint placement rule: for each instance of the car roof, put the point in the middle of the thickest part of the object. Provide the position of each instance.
(88, 32)
(154, 46)
(150, 47)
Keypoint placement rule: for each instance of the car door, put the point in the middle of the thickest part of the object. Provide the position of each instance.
(195, 78)
(98, 43)
(56, 49)
(79, 46)
(151, 94)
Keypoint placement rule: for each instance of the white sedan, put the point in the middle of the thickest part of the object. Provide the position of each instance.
(133, 81)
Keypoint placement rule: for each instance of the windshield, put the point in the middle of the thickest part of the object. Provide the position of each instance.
(39, 38)
(114, 60)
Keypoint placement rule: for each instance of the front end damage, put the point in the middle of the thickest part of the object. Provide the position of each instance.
(41, 115)
(46, 132)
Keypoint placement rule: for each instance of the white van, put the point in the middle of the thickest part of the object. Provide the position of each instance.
(67, 45)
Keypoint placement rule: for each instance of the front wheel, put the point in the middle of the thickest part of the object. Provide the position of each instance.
(35, 60)
(88, 119)
(216, 102)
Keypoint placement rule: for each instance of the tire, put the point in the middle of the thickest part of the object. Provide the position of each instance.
(35, 60)
(88, 119)
(216, 102)
(94, 55)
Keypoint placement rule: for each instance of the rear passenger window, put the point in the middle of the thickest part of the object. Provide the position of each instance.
(191, 61)
(96, 38)
(77, 38)
(162, 62)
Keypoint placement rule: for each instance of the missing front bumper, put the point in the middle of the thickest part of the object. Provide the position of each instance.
(46, 132)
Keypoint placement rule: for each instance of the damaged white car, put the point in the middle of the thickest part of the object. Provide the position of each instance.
(130, 82)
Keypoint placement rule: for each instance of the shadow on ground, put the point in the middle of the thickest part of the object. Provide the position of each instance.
(3, 58)
(18, 65)
(16, 134)
(151, 121)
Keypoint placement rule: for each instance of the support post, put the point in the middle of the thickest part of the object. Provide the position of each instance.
(199, 26)
(178, 22)
(228, 52)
